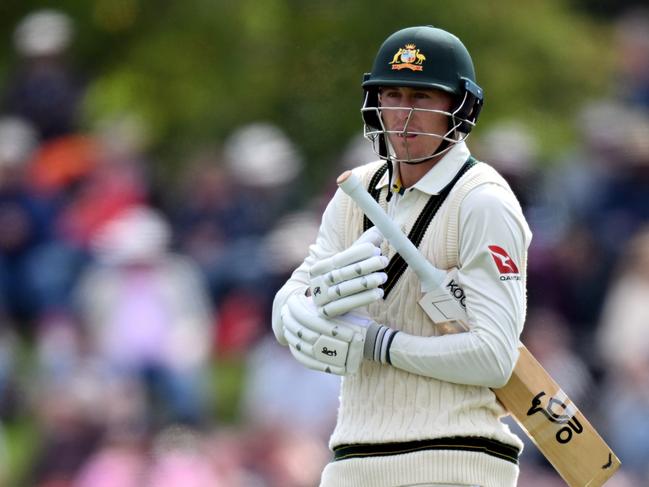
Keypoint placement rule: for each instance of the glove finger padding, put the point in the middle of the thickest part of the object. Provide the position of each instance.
(354, 271)
(363, 275)
(357, 269)
(355, 253)
(356, 285)
(349, 303)
(306, 315)
(328, 288)
(304, 334)
(333, 346)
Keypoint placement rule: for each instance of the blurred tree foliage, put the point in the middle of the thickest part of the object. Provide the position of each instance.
(195, 70)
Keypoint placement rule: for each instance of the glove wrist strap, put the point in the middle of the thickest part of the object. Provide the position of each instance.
(378, 341)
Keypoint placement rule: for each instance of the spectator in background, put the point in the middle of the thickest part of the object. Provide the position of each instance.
(69, 414)
(87, 180)
(573, 184)
(291, 423)
(590, 203)
(230, 202)
(357, 151)
(119, 462)
(623, 343)
(622, 336)
(616, 210)
(44, 90)
(512, 149)
(287, 419)
(263, 163)
(114, 180)
(549, 337)
(24, 219)
(622, 208)
(147, 315)
(632, 30)
(92, 424)
(53, 175)
(179, 458)
(270, 399)
(205, 217)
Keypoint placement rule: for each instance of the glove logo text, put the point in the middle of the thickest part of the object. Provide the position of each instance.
(329, 353)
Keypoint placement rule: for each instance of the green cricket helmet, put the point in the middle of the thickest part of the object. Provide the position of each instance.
(423, 57)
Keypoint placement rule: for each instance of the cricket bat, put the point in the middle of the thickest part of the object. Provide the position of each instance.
(532, 397)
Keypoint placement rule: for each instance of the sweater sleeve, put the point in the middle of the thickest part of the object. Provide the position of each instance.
(493, 243)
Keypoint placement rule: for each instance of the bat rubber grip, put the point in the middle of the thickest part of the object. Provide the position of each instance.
(429, 275)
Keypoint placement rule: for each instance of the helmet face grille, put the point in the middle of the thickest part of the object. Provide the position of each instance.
(380, 135)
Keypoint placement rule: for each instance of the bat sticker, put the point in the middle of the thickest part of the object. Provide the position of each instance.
(564, 435)
(457, 292)
(610, 461)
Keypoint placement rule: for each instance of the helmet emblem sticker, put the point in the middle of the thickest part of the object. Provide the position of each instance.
(408, 57)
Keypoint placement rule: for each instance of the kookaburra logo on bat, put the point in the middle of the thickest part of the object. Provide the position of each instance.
(564, 435)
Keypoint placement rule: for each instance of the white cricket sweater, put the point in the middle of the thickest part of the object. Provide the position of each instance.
(425, 394)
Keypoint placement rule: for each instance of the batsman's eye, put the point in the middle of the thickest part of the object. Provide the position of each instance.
(392, 94)
(390, 98)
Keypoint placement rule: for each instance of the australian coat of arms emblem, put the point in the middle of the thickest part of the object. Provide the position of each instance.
(408, 57)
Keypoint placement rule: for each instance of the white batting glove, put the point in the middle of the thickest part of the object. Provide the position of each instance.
(333, 345)
(351, 278)
(328, 345)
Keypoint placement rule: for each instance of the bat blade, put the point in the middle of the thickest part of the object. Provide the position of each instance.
(546, 414)
(555, 425)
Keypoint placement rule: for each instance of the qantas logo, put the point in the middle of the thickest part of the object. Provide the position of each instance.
(503, 261)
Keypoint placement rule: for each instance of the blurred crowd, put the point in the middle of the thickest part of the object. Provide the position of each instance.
(135, 342)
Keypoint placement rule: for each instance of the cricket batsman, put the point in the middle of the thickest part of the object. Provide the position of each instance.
(416, 408)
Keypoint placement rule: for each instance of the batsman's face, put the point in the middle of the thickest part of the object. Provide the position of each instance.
(408, 126)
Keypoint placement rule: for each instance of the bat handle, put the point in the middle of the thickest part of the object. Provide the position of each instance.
(343, 177)
(429, 275)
